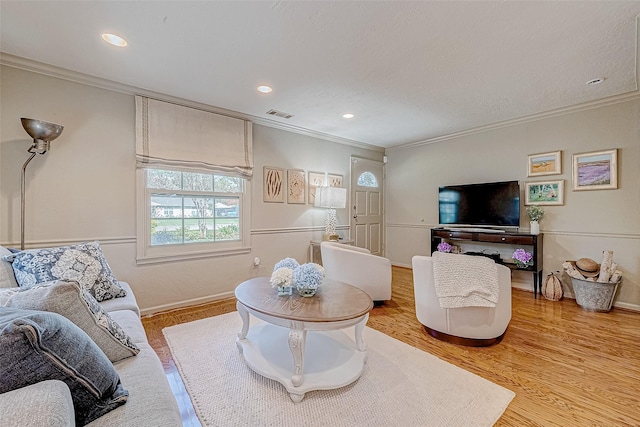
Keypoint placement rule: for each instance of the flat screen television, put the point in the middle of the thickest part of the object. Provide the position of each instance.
(493, 204)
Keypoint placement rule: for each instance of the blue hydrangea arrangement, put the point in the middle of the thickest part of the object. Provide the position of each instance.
(307, 278)
(286, 263)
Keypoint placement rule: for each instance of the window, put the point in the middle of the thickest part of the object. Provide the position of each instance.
(187, 214)
(367, 179)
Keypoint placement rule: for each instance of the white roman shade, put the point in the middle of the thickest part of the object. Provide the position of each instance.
(177, 137)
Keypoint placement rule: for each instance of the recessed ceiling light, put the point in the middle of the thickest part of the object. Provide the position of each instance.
(595, 81)
(114, 40)
(348, 116)
(265, 89)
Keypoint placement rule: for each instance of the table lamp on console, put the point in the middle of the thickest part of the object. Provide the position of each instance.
(331, 198)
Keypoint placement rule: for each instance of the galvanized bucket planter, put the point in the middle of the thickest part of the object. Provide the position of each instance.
(594, 296)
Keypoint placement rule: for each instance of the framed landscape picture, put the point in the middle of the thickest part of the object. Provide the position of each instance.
(273, 185)
(544, 164)
(296, 187)
(544, 193)
(597, 170)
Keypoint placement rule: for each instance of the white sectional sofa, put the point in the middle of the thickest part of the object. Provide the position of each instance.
(48, 403)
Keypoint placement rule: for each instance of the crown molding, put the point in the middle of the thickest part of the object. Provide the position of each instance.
(599, 103)
(98, 82)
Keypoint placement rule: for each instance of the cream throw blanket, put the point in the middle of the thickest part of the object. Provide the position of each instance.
(465, 281)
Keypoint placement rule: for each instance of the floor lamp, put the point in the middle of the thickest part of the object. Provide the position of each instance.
(331, 198)
(42, 133)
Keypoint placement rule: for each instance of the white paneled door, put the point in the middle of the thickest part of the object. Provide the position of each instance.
(367, 204)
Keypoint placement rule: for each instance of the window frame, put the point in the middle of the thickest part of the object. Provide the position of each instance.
(148, 254)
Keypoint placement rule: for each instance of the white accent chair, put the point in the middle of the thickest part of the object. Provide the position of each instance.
(357, 267)
(471, 326)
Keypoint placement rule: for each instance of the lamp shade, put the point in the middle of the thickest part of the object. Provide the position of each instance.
(38, 129)
(331, 197)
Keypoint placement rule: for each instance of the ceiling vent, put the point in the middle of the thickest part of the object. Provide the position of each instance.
(277, 113)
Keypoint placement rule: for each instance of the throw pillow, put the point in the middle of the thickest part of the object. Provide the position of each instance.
(7, 278)
(77, 305)
(37, 346)
(83, 263)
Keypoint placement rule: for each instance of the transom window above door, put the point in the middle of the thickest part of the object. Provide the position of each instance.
(367, 179)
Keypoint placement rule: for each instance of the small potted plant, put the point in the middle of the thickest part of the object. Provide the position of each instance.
(535, 215)
(522, 258)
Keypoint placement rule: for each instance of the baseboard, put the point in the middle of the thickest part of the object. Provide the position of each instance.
(185, 303)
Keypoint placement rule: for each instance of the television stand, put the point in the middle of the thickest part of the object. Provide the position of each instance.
(501, 237)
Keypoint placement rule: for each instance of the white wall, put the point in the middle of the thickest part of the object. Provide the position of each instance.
(84, 189)
(588, 222)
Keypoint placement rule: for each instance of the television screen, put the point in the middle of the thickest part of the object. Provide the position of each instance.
(488, 204)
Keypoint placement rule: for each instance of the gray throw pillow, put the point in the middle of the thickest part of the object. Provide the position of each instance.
(37, 346)
(83, 263)
(76, 304)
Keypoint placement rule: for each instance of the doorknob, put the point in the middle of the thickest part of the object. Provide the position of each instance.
(355, 216)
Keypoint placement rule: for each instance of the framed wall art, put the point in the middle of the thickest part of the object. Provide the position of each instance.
(296, 187)
(544, 193)
(316, 179)
(273, 185)
(334, 180)
(544, 164)
(597, 170)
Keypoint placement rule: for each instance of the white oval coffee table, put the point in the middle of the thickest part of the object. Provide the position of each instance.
(282, 350)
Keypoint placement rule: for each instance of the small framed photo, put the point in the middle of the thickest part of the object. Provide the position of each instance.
(597, 170)
(544, 164)
(296, 186)
(544, 193)
(316, 179)
(273, 185)
(334, 180)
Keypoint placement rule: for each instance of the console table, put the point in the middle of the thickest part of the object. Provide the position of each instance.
(314, 249)
(534, 240)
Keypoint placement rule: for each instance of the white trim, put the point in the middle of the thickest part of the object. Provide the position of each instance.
(148, 312)
(74, 76)
(104, 241)
(293, 230)
(611, 100)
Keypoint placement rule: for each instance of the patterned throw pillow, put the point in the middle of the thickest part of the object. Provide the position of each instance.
(77, 305)
(83, 263)
(37, 346)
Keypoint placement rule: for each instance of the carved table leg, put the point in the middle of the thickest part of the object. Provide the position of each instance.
(360, 344)
(297, 339)
(244, 314)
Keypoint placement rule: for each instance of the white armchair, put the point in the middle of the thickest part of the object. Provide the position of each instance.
(357, 267)
(472, 326)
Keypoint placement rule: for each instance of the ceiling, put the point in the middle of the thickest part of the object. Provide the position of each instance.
(408, 71)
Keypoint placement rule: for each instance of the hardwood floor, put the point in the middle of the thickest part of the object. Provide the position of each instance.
(567, 366)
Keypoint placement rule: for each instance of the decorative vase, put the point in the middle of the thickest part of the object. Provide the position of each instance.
(535, 227)
(521, 264)
(285, 290)
(307, 292)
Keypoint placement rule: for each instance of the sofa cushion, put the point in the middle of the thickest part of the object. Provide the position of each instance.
(7, 278)
(76, 304)
(47, 403)
(37, 346)
(83, 263)
(128, 302)
(151, 401)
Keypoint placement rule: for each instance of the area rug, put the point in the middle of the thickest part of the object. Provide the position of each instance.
(400, 385)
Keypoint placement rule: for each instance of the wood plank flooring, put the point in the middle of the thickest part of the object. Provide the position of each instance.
(567, 366)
